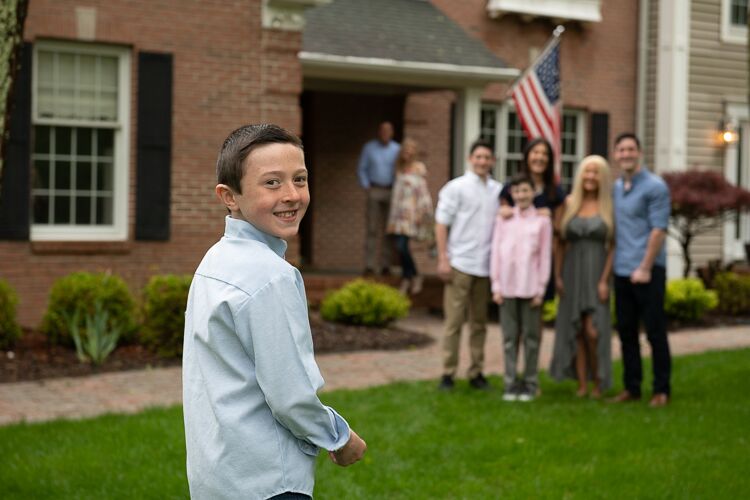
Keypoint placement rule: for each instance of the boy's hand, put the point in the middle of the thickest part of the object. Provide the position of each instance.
(350, 453)
(544, 211)
(497, 298)
(537, 301)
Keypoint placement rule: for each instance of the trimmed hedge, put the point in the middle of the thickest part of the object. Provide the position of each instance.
(164, 303)
(10, 330)
(80, 291)
(688, 300)
(363, 302)
(734, 292)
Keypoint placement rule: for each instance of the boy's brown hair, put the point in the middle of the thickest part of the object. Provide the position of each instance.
(230, 166)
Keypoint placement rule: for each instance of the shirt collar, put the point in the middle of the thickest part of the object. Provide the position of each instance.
(531, 211)
(474, 176)
(237, 228)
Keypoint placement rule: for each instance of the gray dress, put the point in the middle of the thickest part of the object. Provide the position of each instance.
(584, 261)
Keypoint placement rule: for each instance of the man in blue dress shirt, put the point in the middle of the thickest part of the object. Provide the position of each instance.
(642, 207)
(376, 170)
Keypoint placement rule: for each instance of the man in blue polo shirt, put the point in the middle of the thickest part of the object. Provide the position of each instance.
(642, 207)
(376, 171)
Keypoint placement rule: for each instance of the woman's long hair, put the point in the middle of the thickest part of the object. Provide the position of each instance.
(550, 188)
(401, 161)
(604, 195)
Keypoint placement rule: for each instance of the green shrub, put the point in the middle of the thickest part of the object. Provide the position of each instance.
(81, 291)
(10, 331)
(362, 302)
(688, 300)
(100, 339)
(734, 292)
(164, 302)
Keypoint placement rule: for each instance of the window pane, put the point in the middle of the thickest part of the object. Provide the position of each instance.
(83, 141)
(62, 210)
(104, 177)
(41, 174)
(42, 139)
(41, 210)
(105, 143)
(62, 175)
(104, 210)
(83, 210)
(738, 13)
(83, 176)
(63, 140)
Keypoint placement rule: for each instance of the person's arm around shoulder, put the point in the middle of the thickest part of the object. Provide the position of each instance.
(658, 211)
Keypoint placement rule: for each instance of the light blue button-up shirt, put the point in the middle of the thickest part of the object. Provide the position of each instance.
(253, 421)
(644, 207)
(377, 163)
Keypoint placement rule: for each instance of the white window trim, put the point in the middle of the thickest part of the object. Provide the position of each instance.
(731, 33)
(118, 230)
(734, 248)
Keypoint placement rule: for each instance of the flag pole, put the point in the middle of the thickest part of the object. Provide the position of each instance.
(559, 30)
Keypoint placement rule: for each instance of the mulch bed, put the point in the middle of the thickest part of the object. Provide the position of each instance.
(710, 320)
(34, 359)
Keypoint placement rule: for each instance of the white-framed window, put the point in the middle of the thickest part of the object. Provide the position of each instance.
(80, 118)
(734, 14)
(737, 171)
(500, 126)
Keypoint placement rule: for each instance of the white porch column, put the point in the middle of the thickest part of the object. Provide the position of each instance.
(466, 131)
(672, 101)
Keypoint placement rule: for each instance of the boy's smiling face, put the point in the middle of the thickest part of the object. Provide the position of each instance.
(274, 195)
(522, 194)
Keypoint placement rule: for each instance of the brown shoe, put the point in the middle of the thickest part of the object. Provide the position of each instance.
(659, 400)
(624, 397)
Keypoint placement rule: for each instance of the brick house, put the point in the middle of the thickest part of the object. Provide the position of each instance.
(120, 108)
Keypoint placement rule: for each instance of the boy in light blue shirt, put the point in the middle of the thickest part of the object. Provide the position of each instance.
(253, 421)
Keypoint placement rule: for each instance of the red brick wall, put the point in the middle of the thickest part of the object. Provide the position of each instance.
(599, 60)
(228, 71)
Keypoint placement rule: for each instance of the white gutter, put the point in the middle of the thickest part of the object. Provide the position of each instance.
(373, 69)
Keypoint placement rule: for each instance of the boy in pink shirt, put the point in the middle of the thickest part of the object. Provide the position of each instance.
(519, 272)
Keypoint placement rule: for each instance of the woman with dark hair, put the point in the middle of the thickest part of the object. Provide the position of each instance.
(538, 164)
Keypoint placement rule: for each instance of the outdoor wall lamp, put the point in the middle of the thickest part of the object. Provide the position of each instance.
(728, 132)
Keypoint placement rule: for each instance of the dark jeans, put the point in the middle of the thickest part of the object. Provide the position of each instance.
(643, 302)
(408, 268)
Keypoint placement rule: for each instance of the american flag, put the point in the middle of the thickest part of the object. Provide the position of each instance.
(537, 98)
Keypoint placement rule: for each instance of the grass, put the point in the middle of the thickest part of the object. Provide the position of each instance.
(426, 444)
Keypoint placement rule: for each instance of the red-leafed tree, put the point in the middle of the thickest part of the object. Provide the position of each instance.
(701, 201)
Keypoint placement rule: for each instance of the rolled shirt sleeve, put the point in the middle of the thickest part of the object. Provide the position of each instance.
(277, 337)
(659, 206)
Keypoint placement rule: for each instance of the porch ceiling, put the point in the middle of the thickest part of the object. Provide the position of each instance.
(398, 42)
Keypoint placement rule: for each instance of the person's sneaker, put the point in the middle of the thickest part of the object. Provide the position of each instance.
(511, 392)
(479, 382)
(526, 393)
(446, 383)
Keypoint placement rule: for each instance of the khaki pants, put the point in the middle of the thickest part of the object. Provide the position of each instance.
(520, 321)
(465, 293)
(378, 205)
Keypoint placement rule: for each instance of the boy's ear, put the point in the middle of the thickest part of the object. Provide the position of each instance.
(226, 196)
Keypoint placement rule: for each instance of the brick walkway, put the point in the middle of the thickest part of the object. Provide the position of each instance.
(129, 392)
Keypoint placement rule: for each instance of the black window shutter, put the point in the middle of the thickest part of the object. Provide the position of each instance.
(154, 143)
(600, 134)
(15, 198)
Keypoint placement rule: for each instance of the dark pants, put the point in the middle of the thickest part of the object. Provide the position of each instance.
(408, 268)
(643, 302)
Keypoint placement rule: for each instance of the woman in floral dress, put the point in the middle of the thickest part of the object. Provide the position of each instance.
(411, 214)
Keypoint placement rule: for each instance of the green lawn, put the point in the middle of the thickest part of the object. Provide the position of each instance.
(426, 444)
